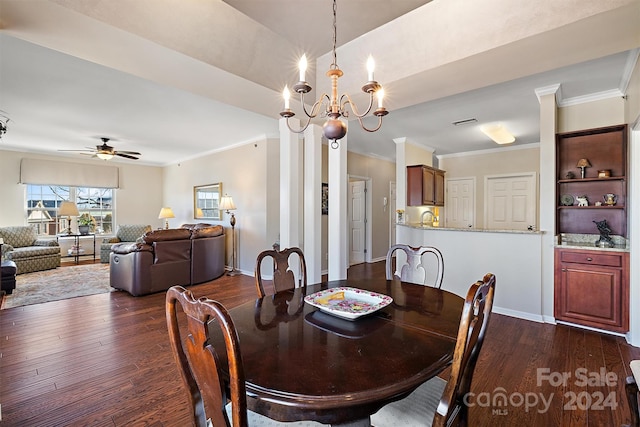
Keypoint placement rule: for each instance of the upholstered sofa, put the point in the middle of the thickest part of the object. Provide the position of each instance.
(125, 233)
(22, 246)
(185, 256)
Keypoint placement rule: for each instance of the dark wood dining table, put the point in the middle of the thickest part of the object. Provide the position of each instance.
(304, 364)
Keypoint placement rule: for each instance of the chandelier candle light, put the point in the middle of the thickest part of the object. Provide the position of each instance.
(335, 129)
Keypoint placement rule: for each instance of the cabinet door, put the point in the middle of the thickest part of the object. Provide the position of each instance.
(414, 185)
(438, 191)
(591, 295)
(428, 190)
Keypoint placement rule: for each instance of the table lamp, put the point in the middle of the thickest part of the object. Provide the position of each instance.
(166, 213)
(68, 209)
(583, 163)
(226, 204)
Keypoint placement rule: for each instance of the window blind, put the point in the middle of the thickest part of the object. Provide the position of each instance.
(35, 171)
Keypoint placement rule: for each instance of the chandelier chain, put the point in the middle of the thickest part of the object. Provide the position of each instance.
(335, 37)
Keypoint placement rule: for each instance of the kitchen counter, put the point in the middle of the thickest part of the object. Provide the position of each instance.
(417, 226)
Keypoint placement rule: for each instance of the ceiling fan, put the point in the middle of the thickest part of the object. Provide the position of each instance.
(106, 152)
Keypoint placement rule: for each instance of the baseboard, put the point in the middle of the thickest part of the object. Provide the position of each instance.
(518, 314)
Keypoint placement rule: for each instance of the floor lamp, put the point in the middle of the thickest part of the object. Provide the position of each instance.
(226, 204)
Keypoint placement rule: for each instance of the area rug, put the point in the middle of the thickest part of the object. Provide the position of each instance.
(58, 284)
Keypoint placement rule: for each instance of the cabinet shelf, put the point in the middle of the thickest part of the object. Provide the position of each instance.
(592, 207)
(579, 180)
(606, 149)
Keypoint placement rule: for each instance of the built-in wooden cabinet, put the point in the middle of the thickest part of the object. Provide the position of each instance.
(606, 150)
(592, 288)
(592, 285)
(425, 186)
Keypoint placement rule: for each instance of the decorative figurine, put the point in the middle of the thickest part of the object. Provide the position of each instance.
(582, 201)
(570, 175)
(605, 234)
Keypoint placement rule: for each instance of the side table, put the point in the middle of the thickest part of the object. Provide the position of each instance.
(76, 251)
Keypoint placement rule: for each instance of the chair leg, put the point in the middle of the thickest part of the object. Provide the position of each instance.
(632, 394)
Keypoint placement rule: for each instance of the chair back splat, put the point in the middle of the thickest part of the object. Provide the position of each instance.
(473, 326)
(200, 364)
(283, 270)
(414, 270)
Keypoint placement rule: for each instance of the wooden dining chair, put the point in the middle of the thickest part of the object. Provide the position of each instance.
(217, 398)
(438, 402)
(414, 271)
(283, 274)
(632, 392)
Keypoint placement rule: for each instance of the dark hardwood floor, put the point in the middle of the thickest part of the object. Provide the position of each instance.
(104, 360)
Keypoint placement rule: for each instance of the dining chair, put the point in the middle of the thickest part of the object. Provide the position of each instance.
(217, 398)
(632, 392)
(283, 274)
(414, 271)
(438, 402)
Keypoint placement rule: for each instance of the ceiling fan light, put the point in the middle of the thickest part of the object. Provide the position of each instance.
(498, 134)
(104, 156)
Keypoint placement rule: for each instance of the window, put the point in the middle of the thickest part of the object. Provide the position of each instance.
(43, 201)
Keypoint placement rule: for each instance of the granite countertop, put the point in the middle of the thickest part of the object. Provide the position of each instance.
(588, 242)
(418, 226)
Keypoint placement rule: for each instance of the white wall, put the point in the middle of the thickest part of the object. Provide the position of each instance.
(468, 255)
(243, 172)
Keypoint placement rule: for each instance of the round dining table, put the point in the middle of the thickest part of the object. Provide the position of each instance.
(302, 363)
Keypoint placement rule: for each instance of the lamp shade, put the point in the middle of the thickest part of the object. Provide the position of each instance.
(68, 209)
(583, 163)
(199, 213)
(166, 213)
(226, 203)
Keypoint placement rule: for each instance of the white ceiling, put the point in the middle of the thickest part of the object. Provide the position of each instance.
(57, 99)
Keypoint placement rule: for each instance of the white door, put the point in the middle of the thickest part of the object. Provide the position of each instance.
(460, 206)
(510, 202)
(358, 222)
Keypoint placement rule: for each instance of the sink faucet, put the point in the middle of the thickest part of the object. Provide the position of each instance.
(433, 217)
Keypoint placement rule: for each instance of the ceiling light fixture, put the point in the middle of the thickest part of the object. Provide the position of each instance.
(335, 129)
(498, 133)
(104, 155)
(4, 120)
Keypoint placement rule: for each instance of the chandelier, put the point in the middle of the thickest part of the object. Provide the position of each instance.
(335, 129)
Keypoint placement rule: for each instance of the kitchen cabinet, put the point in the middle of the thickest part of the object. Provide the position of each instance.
(425, 186)
(606, 150)
(592, 288)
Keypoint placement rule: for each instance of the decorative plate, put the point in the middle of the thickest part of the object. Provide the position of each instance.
(566, 200)
(348, 303)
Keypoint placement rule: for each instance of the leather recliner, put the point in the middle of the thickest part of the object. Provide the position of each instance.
(183, 256)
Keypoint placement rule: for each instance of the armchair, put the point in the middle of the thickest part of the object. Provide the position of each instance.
(126, 233)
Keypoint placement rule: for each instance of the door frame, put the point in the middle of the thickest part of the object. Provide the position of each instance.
(368, 211)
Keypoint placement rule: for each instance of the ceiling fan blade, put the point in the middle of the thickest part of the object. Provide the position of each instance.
(133, 153)
(85, 151)
(118, 153)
